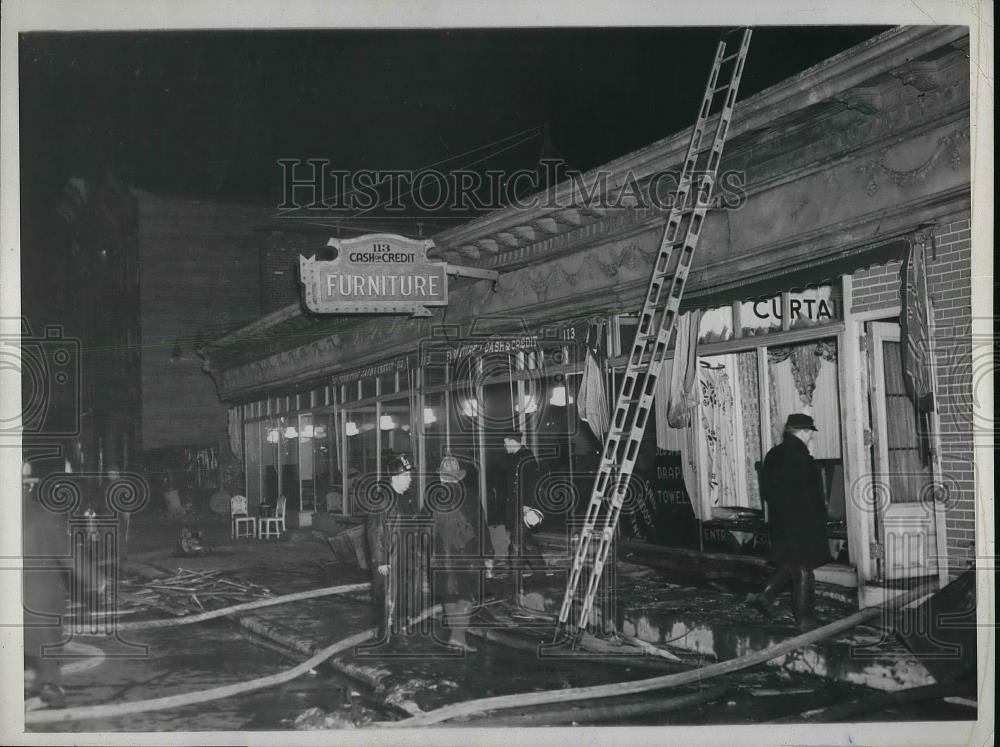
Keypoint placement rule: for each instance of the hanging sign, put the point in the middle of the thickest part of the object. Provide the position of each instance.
(375, 274)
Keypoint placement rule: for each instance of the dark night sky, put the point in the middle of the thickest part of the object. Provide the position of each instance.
(208, 114)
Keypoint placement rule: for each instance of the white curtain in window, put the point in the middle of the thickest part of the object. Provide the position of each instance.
(718, 417)
(825, 407)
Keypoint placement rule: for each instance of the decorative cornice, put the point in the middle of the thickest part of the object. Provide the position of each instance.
(828, 79)
(950, 143)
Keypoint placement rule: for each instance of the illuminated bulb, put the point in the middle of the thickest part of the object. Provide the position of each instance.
(291, 433)
(386, 423)
(351, 428)
(319, 431)
(559, 398)
(429, 416)
(272, 435)
(308, 432)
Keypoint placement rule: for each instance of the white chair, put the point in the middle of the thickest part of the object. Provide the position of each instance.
(273, 526)
(240, 517)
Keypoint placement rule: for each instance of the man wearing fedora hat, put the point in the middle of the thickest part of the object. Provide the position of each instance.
(792, 486)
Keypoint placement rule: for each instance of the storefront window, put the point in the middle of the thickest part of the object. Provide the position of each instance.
(387, 384)
(803, 378)
(307, 463)
(435, 421)
(361, 433)
(251, 441)
(269, 445)
(289, 456)
(813, 306)
(368, 387)
(320, 440)
(716, 325)
(394, 426)
(748, 395)
(761, 316)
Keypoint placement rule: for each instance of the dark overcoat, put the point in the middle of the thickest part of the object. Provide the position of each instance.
(460, 536)
(393, 539)
(791, 485)
(522, 475)
(379, 526)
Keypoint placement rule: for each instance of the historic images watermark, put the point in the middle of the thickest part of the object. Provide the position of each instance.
(72, 520)
(314, 186)
(49, 368)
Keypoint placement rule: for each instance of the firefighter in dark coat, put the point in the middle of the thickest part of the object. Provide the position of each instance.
(460, 536)
(791, 484)
(382, 535)
(521, 517)
(47, 567)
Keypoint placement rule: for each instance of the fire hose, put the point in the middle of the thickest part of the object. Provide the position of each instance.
(521, 700)
(215, 693)
(245, 606)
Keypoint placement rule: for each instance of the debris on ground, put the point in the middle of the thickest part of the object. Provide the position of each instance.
(315, 719)
(191, 545)
(188, 589)
(348, 545)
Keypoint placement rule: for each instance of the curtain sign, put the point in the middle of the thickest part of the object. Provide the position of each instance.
(375, 274)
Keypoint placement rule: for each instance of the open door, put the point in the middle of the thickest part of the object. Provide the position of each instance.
(903, 476)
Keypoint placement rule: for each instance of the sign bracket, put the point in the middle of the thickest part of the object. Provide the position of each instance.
(472, 272)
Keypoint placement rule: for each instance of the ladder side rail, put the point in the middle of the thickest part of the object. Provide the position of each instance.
(639, 415)
(625, 410)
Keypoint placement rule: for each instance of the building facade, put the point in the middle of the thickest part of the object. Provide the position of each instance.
(201, 266)
(837, 183)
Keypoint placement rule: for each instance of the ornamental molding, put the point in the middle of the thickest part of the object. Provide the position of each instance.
(950, 144)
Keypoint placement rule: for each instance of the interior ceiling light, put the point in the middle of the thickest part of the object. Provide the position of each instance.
(560, 397)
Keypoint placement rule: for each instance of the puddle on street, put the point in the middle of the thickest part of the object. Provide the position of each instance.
(184, 659)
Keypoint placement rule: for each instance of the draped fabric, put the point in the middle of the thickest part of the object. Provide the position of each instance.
(689, 468)
(746, 368)
(592, 402)
(667, 437)
(235, 433)
(774, 401)
(806, 360)
(916, 321)
(718, 419)
(685, 440)
(917, 330)
(785, 398)
(684, 392)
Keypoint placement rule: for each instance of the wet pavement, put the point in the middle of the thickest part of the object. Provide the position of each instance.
(417, 670)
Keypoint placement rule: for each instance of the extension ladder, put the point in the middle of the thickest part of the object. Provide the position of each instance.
(635, 395)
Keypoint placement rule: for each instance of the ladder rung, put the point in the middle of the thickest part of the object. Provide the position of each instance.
(629, 422)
